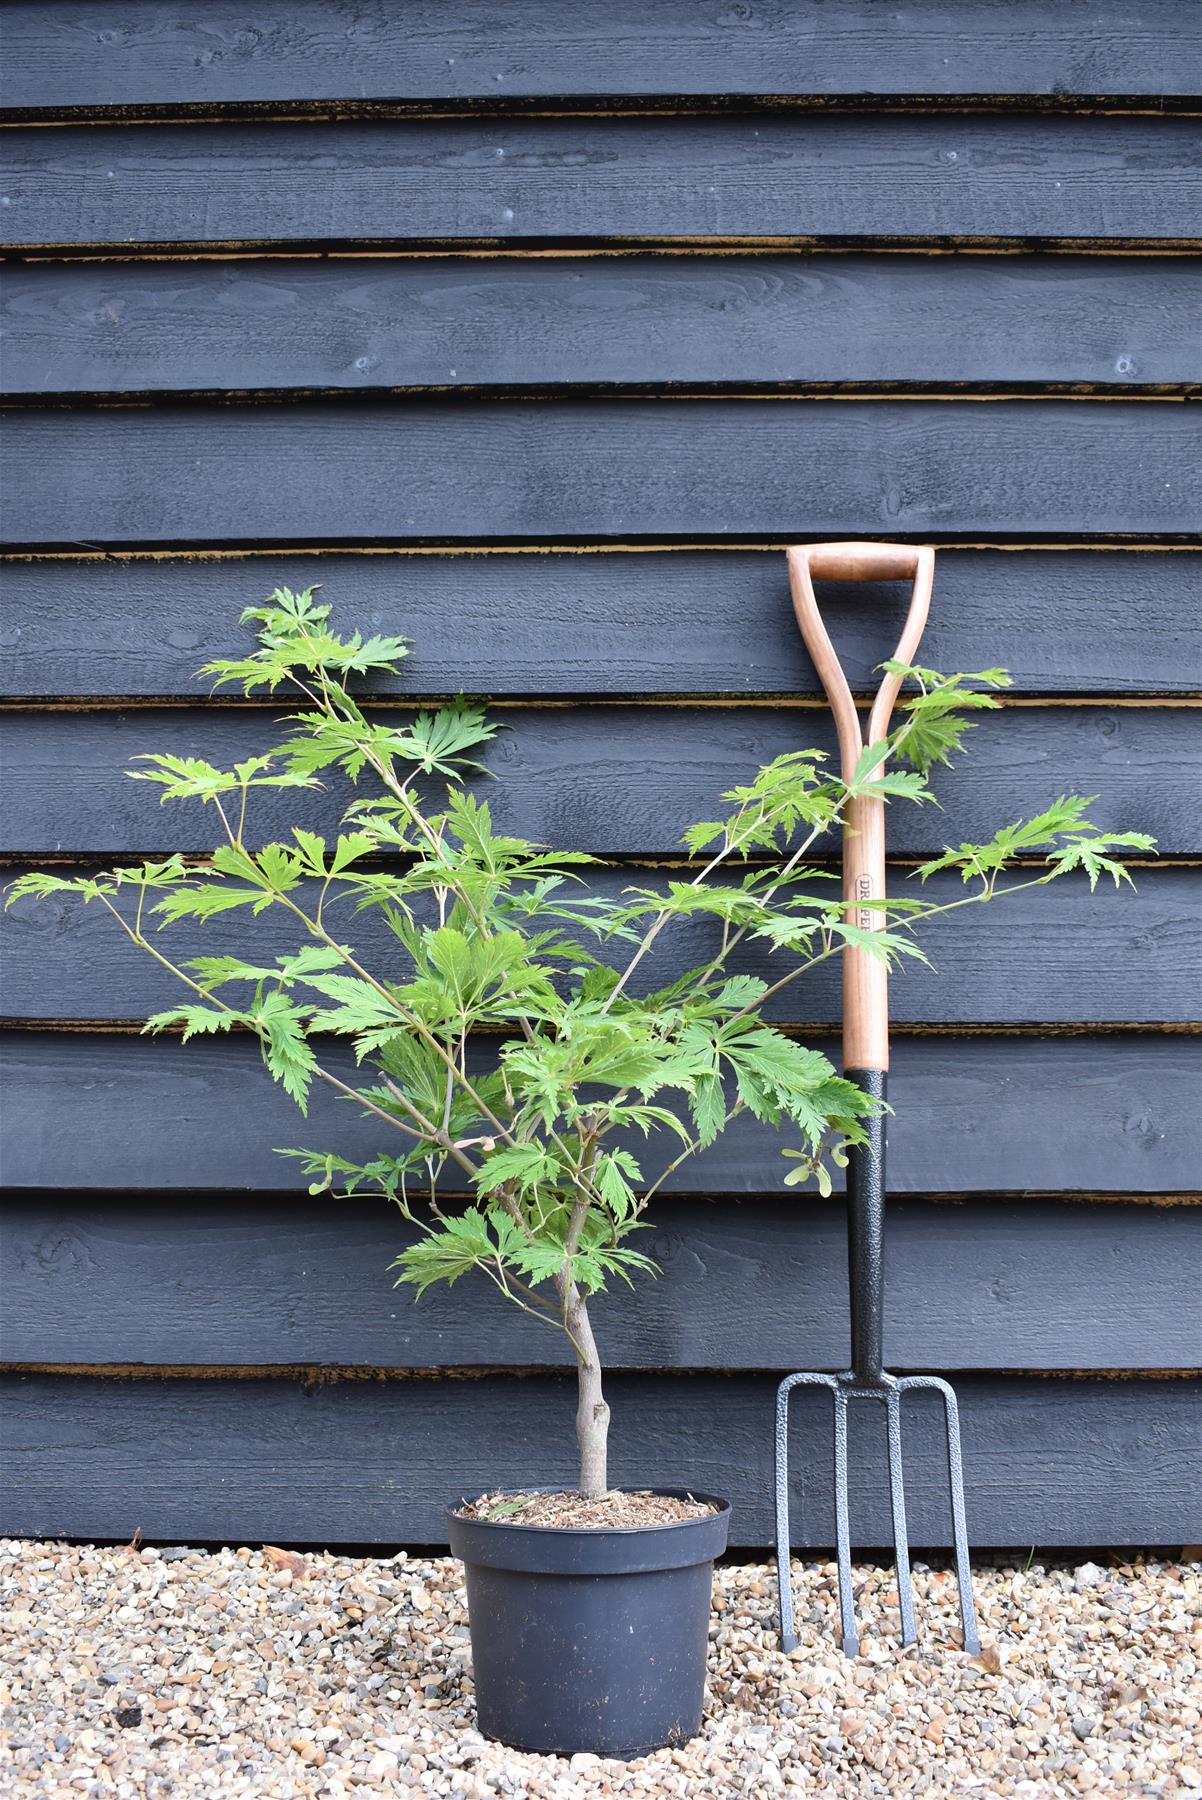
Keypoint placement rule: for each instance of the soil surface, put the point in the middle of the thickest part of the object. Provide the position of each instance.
(615, 1511)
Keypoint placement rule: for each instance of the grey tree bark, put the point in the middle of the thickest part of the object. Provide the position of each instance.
(592, 1409)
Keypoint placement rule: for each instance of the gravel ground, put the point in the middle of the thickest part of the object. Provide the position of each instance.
(262, 1673)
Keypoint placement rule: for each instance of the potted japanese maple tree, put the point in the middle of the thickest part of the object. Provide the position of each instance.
(514, 1045)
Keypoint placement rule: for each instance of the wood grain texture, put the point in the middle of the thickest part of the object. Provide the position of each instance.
(1051, 1462)
(712, 623)
(1017, 962)
(386, 401)
(161, 54)
(608, 469)
(614, 780)
(852, 180)
(1115, 1114)
(189, 1280)
(283, 326)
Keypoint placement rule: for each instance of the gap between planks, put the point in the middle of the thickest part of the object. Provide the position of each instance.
(76, 549)
(798, 392)
(209, 702)
(217, 248)
(316, 1375)
(652, 547)
(1033, 1028)
(634, 863)
(481, 109)
(83, 552)
(101, 1198)
(698, 247)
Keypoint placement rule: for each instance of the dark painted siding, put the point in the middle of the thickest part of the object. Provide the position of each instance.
(563, 626)
(498, 54)
(131, 1279)
(800, 178)
(569, 477)
(1057, 1461)
(773, 322)
(1114, 1113)
(616, 470)
(1017, 964)
(617, 780)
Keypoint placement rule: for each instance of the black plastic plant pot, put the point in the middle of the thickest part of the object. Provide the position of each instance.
(590, 1640)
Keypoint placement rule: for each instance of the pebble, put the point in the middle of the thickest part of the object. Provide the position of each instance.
(144, 1674)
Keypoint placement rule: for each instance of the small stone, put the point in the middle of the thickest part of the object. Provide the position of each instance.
(286, 1560)
(1088, 1576)
(584, 1762)
(1083, 1727)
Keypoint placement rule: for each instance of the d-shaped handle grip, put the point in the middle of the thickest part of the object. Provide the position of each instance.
(860, 562)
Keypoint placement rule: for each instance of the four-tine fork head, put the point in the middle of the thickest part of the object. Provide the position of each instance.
(887, 1391)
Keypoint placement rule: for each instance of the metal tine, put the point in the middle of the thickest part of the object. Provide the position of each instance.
(897, 1506)
(784, 1548)
(843, 1389)
(955, 1476)
(847, 1604)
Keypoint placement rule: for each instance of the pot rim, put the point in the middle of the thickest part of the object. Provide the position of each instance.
(599, 1531)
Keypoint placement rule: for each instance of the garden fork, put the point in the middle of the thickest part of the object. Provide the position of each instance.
(866, 1061)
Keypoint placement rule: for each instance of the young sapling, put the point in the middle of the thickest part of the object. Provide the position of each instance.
(533, 1087)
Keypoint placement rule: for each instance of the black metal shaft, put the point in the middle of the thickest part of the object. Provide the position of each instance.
(865, 1236)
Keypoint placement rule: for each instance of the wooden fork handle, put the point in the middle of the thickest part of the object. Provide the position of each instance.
(862, 562)
(865, 978)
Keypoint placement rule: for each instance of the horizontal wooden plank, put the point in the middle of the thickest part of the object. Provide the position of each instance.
(613, 780)
(796, 178)
(714, 623)
(794, 322)
(160, 54)
(358, 472)
(1056, 957)
(1050, 1462)
(1117, 1114)
(193, 1281)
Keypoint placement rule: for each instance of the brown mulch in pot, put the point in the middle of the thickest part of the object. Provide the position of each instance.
(615, 1511)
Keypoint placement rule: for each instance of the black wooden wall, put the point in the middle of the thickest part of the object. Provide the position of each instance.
(534, 331)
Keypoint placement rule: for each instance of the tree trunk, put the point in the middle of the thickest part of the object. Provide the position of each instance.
(592, 1412)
